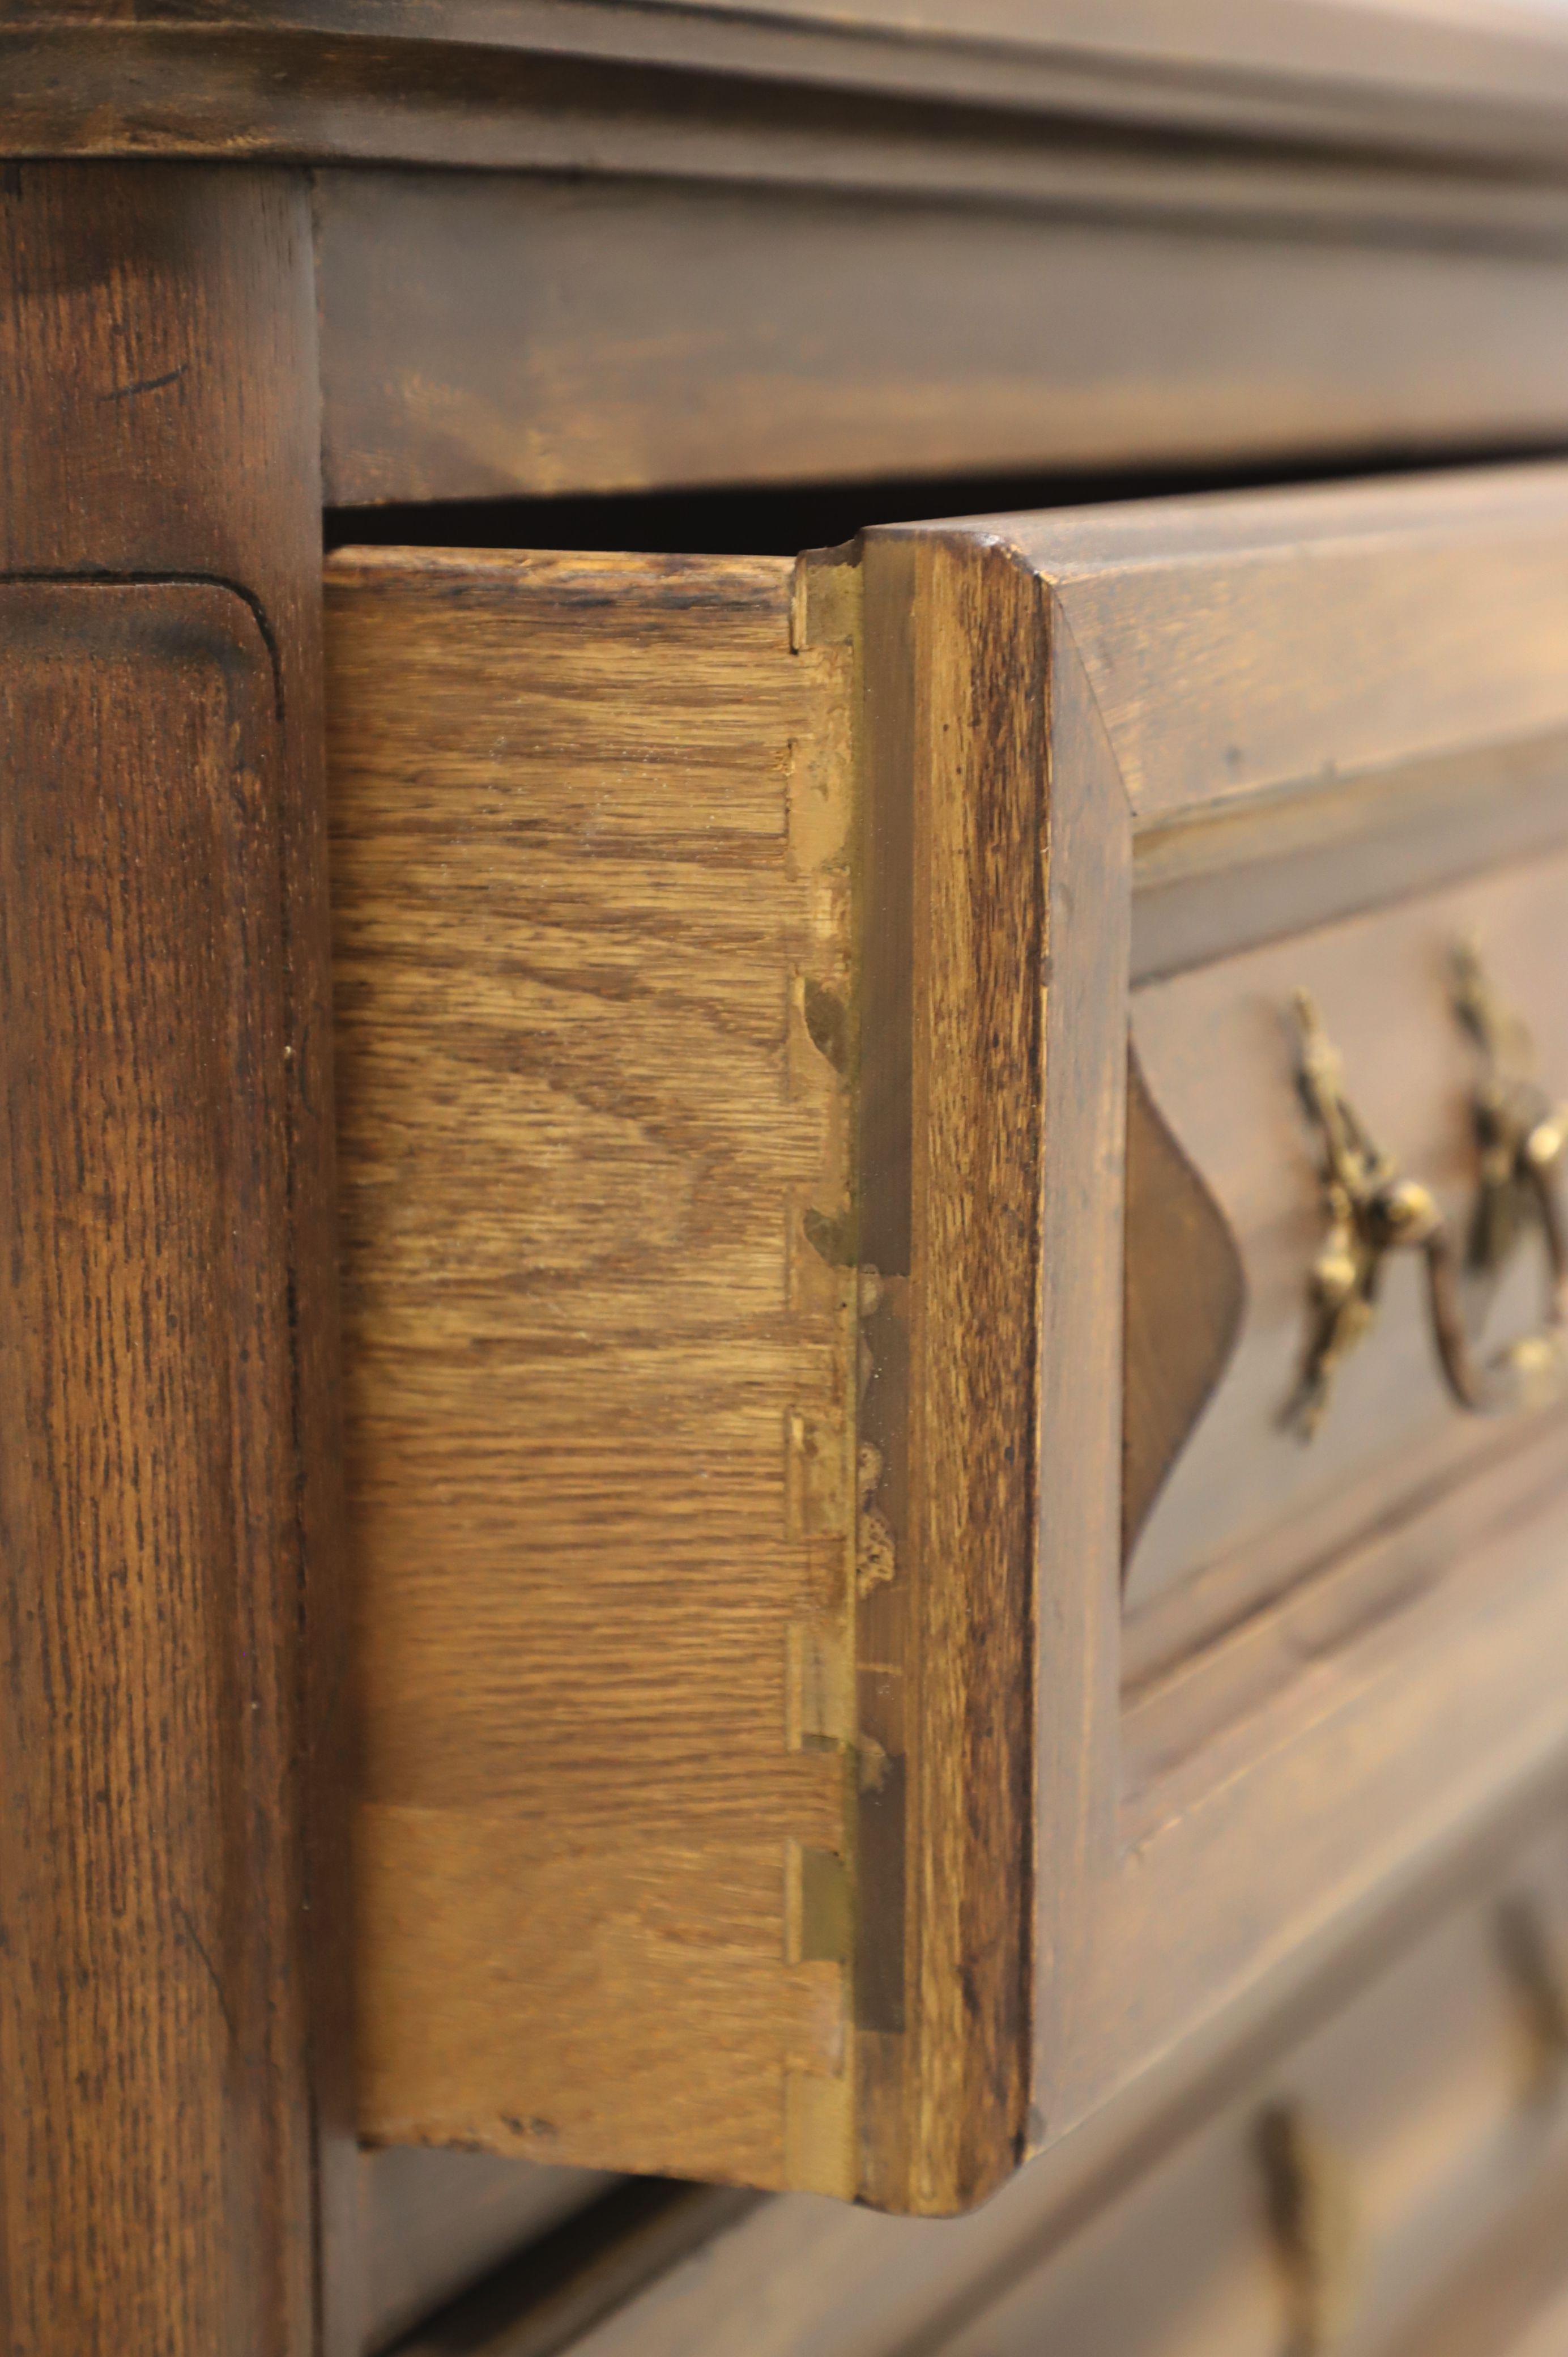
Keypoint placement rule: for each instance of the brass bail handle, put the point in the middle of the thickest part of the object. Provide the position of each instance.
(1371, 1212)
(1314, 2224)
(1520, 1134)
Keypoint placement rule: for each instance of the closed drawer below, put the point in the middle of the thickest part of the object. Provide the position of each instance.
(1392, 2181)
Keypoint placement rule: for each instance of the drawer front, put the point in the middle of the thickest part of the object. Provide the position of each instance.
(584, 841)
(1347, 2202)
(1259, 1504)
(855, 1667)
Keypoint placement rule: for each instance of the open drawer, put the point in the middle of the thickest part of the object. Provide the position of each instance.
(899, 1578)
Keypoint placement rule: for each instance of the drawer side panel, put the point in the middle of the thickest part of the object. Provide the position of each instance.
(591, 956)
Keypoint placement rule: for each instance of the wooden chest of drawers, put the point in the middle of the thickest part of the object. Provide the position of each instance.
(843, 1699)
(785, 1353)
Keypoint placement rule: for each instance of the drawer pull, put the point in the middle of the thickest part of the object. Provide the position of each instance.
(1534, 1970)
(1521, 1135)
(1371, 1212)
(1310, 2211)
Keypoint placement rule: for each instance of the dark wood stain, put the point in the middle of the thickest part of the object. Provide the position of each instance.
(176, 2110)
(493, 334)
(398, 81)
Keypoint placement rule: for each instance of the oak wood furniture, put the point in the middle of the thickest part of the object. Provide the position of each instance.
(736, 1273)
(840, 1668)
(178, 2106)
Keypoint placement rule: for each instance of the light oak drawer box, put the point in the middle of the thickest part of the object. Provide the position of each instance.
(859, 1658)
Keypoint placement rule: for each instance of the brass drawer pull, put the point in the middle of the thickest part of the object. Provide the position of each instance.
(1534, 1969)
(1371, 1212)
(1310, 2212)
(1521, 1133)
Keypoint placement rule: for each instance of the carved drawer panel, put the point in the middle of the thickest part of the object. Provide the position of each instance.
(942, 1494)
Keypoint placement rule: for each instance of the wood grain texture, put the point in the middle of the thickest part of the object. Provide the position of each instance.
(609, 1535)
(591, 881)
(565, 1185)
(1209, 635)
(1200, 662)
(177, 2113)
(413, 96)
(336, 77)
(1201, 622)
(953, 935)
(488, 334)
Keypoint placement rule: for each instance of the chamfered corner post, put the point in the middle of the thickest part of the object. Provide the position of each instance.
(174, 2121)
